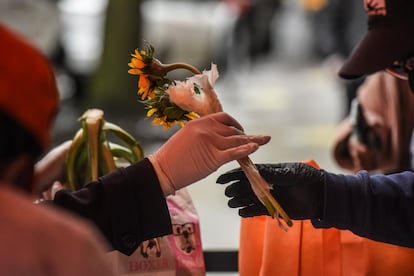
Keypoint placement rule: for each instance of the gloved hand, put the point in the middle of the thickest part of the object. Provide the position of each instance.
(200, 148)
(298, 187)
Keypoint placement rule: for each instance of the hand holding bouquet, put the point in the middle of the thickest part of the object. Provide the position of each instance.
(170, 102)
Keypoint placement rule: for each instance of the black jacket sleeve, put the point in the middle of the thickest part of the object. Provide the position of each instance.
(127, 205)
(379, 207)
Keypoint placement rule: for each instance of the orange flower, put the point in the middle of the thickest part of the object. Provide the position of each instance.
(152, 86)
(162, 121)
(137, 63)
(140, 65)
(145, 90)
(171, 102)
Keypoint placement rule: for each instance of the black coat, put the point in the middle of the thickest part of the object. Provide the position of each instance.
(127, 205)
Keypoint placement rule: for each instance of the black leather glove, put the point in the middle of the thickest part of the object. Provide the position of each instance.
(298, 187)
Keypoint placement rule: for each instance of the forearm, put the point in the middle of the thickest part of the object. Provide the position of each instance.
(378, 207)
(128, 206)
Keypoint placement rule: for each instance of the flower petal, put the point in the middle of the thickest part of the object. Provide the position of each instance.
(134, 71)
(151, 112)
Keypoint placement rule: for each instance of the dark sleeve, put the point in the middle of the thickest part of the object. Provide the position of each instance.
(127, 205)
(378, 207)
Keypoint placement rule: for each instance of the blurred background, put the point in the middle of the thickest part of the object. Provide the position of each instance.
(277, 62)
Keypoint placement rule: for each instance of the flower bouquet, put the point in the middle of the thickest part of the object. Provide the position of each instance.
(172, 101)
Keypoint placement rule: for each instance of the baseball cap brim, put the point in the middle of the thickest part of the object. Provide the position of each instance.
(378, 49)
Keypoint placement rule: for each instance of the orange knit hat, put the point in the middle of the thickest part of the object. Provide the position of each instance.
(28, 91)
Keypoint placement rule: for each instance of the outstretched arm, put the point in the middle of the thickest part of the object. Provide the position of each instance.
(377, 207)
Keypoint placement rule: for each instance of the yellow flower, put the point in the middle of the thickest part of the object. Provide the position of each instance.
(170, 102)
(152, 86)
(167, 125)
(157, 121)
(137, 63)
(151, 112)
(192, 115)
(145, 89)
(162, 121)
(136, 66)
(141, 63)
(142, 57)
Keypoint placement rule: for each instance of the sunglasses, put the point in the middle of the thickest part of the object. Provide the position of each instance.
(403, 70)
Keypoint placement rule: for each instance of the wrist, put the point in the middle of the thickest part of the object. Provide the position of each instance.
(340, 200)
(166, 185)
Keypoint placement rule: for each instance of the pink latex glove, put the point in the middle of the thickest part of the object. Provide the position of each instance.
(50, 193)
(200, 148)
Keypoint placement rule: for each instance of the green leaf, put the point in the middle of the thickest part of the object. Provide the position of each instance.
(174, 113)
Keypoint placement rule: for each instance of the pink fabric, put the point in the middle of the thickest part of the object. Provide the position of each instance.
(39, 241)
(388, 106)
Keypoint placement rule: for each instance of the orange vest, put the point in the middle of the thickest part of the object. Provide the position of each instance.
(267, 250)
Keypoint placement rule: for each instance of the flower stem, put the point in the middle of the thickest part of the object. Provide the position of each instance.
(260, 186)
(261, 189)
(174, 66)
